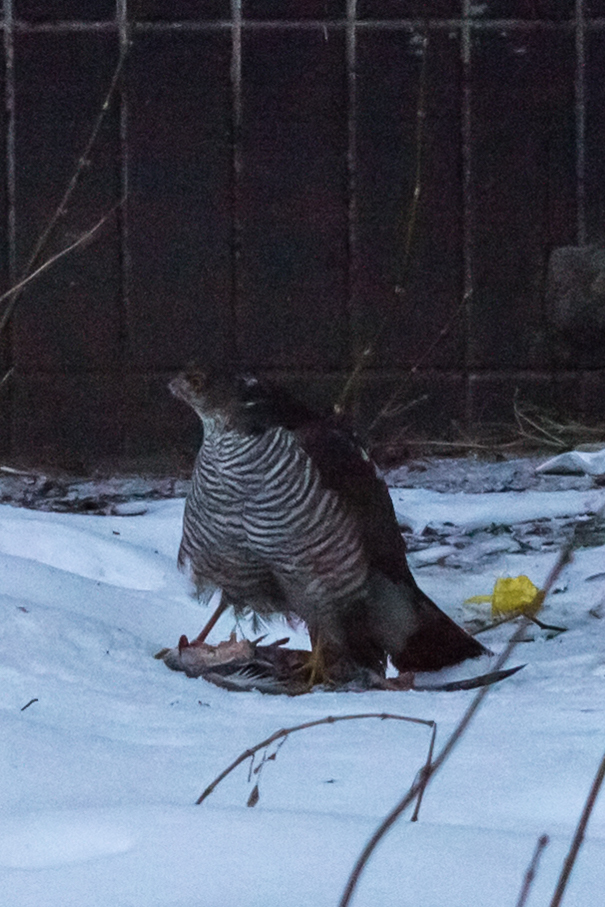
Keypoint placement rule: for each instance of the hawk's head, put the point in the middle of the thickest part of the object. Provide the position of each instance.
(222, 398)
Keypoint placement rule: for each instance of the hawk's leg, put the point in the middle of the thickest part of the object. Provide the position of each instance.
(317, 668)
(316, 665)
(219, 611)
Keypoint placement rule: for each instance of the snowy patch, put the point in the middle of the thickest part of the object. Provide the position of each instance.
(419, 508)
(73, 550)
(45, 840)
(576, 462)
(103, 751)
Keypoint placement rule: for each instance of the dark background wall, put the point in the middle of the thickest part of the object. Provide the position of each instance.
(268, 152)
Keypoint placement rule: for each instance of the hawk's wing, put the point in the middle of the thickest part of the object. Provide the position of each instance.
(346, 468)
(343, 465)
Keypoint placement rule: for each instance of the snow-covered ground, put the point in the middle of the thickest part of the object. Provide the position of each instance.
(103, 750)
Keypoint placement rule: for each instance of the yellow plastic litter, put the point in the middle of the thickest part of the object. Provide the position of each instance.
(511, 594)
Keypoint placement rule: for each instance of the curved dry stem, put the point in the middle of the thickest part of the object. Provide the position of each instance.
(331, 719)
(80, 241)
(542, 434)
(388, 410)
(83, 162)
(47, 233)
(430, 770)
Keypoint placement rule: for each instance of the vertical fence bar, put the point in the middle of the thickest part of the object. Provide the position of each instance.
(11, 225)
(124, 42)
(580, 97)
(124, 355)
(467, 199)
(9, 52)
(237, 166)
(351, 69)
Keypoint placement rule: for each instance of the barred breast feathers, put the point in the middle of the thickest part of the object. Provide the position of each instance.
(260, 499)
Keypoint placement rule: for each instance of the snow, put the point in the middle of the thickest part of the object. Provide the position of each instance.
(103, 750)
(576, 462)
(418, 507)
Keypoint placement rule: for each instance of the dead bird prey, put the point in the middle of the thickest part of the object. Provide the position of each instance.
(287, 515)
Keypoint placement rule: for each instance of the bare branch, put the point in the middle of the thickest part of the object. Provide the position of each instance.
(540, 428)
(388, 409)
(530, 875)
(430, 770)
(48, 231)
(578, 838)
(331, 719)
(16, 290)
(82, 164)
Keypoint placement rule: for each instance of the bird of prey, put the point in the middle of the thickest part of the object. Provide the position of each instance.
(287, 515)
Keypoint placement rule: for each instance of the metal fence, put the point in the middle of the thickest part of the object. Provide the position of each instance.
(296, 181)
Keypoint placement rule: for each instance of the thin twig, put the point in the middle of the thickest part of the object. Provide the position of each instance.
(19, 472)
(433, 768)
(368, 349)
(530, 875)
(5, 378)
(461, 445)
(386, 410)
(578, 838)
(48, 231)
(331, 719)
(540, 428)
(390, 411)
(14, 291)
(424, 774)
(543, 435)
(83, 162)
(513, 616)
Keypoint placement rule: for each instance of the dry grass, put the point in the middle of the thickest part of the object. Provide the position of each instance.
(538, 427)
(534, 430)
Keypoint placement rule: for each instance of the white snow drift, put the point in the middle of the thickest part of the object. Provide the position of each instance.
(103, 751)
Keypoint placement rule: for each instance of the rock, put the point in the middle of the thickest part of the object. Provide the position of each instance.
(575, 295)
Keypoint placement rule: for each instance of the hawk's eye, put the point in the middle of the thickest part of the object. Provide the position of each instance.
(196, 382)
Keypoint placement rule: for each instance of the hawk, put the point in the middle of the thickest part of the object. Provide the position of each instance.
(287, 515)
